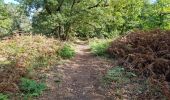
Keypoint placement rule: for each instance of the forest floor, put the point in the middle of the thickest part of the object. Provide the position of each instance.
(78, 78)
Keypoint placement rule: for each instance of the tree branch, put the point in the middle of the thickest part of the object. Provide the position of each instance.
(60, 4)
(74, 1)
(95, 5)
(47, 7)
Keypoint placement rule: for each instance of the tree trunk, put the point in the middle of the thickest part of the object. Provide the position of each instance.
(67, 31)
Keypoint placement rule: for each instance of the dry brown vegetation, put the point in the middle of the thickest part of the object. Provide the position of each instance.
(20, 53)
(146, 52)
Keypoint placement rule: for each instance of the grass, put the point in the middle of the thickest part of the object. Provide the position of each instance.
(120, 79)
(99, 47)
(118, 75)
(67, 52)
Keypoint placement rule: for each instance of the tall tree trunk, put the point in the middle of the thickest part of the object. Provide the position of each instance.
(59, 32)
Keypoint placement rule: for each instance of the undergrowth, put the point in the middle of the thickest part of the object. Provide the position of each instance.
(124, 82)
(26, 56)
(67, 51)
(31, 88)
(99, 47)
(147, 54)
(19, 54)
(26, 51)
(3, 97)
(118, 75)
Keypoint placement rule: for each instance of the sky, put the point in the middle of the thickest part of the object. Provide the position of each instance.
(153, 0)
(10, 1)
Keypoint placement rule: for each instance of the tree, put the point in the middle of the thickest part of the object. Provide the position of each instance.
(12, 18)
(64, 18)
(126, 14)
(155, 15)
(94, 18)
(5, 19)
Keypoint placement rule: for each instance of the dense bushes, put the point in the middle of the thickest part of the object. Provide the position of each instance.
(146, 53)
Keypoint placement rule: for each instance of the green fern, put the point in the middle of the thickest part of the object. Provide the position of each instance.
(31, 87)
(67, 52)
(3, 97)
(99, 47)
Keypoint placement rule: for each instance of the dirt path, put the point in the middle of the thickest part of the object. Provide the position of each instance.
(80, 78)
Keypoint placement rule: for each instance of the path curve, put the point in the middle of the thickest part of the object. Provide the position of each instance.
(80, 77)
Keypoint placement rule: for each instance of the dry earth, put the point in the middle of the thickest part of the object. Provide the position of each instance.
(81, 77)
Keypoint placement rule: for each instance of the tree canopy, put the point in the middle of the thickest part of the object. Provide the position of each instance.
(13, 18)
(84, 18)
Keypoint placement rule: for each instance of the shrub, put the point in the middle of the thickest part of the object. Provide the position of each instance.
(25, 51)
(147, 53)
(3, 97)
(31, 87)
(21, 53)
(67, 51)
(99, 47)
(144, 51)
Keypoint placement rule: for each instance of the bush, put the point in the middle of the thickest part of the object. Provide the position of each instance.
(21, 53)
(67, 51)
(147, 53)
(3, 97)
(99, 47)
(26, 51)
(31, 87)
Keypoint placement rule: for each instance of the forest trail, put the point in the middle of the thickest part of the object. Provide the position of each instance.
(81, 77)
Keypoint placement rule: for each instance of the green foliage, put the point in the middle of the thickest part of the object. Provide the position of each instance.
(3, 97)
(118, 75)
(31, 87)
(156, 15)
(90, 18)
(12, 18)
(5, 20)
(99, 47)
(93, 18)
(67, 51)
